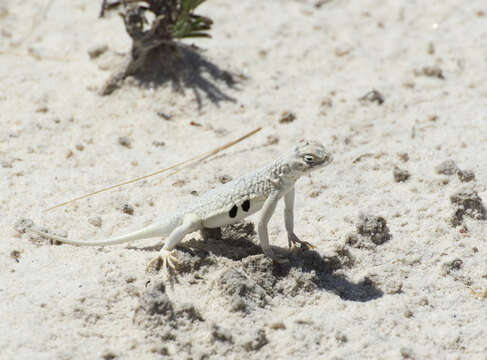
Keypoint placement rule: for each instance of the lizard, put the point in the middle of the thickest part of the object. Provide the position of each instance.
(228, 204)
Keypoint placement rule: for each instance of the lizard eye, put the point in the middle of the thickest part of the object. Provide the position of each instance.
(309, 158)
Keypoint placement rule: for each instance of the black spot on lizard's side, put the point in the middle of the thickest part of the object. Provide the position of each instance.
(233, 211)
(246, 205)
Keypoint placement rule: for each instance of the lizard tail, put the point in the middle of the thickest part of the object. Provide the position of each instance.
(153, 230)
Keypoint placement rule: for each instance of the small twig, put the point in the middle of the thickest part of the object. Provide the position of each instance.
(196, 158)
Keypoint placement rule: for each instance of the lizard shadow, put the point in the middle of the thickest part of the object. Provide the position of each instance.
(324, 268)
(235, 243)
(187, 69)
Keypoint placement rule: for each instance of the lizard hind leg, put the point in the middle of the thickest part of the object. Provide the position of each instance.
(166, 259)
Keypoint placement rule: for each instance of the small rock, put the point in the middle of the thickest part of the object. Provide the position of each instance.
(109, 355)
(343, 50)
(15, 254)
(341, 337)
(272, 140)
(42, 109)
(372, 96)
(287, 117)
(224, 179)
(400, 175)
(408, 313)
(468, 203)
(423, 301)
(158, 143)
(164, 115)
(430, 71)
(179, 183)
(406, 353)
(97, 50)
(125, 141)
(404, 157)
(466, 175)
(278, 326)
(95, 221)
(314, 194)
(79, 147)
(453, 265)
(448, 167)
(326, 102)
(373, 227)
(128, 209)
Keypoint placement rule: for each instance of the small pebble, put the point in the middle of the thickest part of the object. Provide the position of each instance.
(407, 353)
(164, 115)
(467, 203)
(128, 209)
(97, 50)
(400, 175)
(327, 102)
(95, 221)
(448, 167)
(404, 157)
(272, 140)
(125, 141)
(372, 96)
(158, 143)
(287, 117)
(79, 147)
(42, 109)
(430, 71)
(466, 175)
(15, 254)
(224, 179)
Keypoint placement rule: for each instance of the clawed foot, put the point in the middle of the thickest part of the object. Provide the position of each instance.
(293, 240)
(166, 260)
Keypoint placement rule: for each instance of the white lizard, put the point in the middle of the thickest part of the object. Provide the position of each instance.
(230, 203)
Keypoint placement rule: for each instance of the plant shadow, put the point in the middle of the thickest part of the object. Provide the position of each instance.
(186, 69)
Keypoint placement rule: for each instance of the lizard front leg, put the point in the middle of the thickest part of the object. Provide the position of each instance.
(166, 258)
(266, 214)
(289, 220)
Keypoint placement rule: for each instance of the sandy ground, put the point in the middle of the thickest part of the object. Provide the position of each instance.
(414, 290)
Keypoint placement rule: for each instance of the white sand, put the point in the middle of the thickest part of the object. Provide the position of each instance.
(65, 302)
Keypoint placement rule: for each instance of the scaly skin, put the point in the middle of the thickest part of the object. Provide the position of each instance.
(230, 203)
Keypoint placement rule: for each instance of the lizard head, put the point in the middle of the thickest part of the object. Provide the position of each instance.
(310, 155)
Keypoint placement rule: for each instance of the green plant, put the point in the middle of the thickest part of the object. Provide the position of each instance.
(172, 20)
